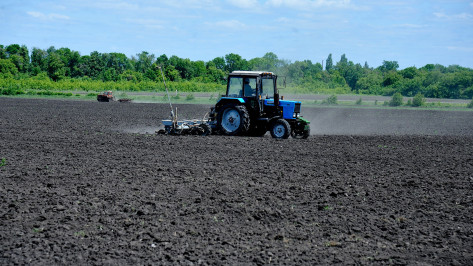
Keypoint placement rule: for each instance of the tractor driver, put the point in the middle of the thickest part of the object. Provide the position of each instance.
(249, 91)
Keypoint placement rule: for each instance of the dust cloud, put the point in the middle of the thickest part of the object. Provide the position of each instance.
(351, 121)
(140, 129)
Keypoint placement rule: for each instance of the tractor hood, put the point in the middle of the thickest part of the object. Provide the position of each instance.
(289, 107)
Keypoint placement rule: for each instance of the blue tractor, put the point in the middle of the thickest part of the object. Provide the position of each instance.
(251, 107)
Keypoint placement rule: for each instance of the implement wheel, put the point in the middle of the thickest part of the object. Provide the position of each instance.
(206, 129)
(280, 129)
(300, 134)
(233, 120)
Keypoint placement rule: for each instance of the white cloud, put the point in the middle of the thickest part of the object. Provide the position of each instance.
(244, 3)
(191, 3)
(462, 49)
(51, 16)
(233, 24)
(149, 23)
(110, 4)
(228, 24)
(309, 4)
(461, 16)
(411, 26)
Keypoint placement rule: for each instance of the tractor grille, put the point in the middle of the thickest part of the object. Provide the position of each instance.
(297, 108)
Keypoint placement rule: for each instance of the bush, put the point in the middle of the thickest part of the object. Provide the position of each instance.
(11, 91)
(470, 105)
(190, 97)
(418, 100)
(359, 101)
(396, 100)
(332, 99)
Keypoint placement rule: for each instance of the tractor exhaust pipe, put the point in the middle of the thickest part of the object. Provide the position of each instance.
(276, 99)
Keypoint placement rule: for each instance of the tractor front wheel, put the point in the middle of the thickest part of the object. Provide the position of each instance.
(281, 129)
(233, 120)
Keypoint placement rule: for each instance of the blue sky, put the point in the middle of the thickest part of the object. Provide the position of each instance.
(412, 32)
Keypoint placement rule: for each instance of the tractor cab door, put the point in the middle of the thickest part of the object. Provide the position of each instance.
(266, 90)
(242, 87)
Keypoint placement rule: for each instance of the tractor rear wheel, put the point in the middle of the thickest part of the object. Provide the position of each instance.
(233, 120)
(280, 129)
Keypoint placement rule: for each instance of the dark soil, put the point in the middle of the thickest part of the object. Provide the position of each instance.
(81, 184)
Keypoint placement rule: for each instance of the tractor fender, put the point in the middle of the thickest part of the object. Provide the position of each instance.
(227, 100)
(273, 119)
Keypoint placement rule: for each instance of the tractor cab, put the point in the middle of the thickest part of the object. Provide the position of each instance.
(251, 106)
(254, 88)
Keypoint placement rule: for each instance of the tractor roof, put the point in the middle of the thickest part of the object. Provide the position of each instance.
(251, 73)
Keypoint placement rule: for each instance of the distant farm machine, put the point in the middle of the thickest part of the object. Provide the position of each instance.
(251, 106)
(107, 96)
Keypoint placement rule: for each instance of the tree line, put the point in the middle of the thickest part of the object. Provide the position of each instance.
(17, 63)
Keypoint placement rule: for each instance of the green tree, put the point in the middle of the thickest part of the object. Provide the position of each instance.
(18, 62)
(391, 78)
(370, 84)
(117, 61)
(7, 67)
(199, 69)
(269, 62)
(409, 87)
(235, 62)
(3, 52)
(110, 75)
(12, 49)
(19, 56)
(219, 63)
(39, 59)
(162, 61)
(329, 63)
(214, 74)
(350, 72)
(389, 66)
(56, 68)
(409, 73)
(153, 73)
(95, 65)
(172, 74)
(143, 61)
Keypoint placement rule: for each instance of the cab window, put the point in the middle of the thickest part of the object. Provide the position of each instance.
(235, 86)
(249, 87)
(268, 88)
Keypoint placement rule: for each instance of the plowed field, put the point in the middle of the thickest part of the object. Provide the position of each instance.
(83, 183)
